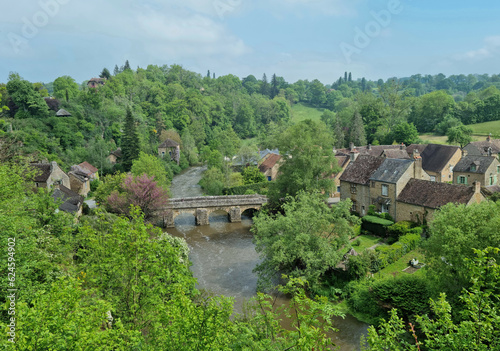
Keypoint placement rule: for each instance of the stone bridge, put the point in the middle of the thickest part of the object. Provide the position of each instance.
(201, 207)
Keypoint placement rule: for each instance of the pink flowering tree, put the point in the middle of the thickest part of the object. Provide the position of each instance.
(141, 191)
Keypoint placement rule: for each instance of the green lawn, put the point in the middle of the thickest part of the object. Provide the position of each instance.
(301, 112)
(483, 129)
(398, 266)
(429, 138)
(366, 242)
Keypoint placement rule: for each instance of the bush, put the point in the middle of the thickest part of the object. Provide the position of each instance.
(390, 254)
(375, 225)
(356, 242)
(256, 188)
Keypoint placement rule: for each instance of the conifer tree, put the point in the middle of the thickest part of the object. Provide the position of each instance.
(350, 77)
(264, 86)
(130, 141)
(208, 74)
(274, 86)
(105, 73)
(116, 70)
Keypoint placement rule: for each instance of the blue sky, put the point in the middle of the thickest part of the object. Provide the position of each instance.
(296, 39)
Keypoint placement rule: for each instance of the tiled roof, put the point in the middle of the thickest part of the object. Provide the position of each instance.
(79, 175)
(169, 143)
(87, 166)
(391, 170)
(481, 163)
(372, 150)
(419, 147)
(71, 200)
(117, 152)
(42, 172)
(396, 153)
(361, 170)
(483, 146)
(264, 153)
(434, 194)
(269, 163)
(342, 160)
(437, 157)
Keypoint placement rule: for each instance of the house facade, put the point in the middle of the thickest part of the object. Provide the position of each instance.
(488, 147)
(79, 182)
(96, 82)
(439, 161)
(170, 149)
(420, 199)
(86, 168)
(472, 168)
(115, 156)
(49, 175)
(270, 166)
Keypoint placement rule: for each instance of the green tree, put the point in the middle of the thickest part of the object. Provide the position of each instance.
(431, 109)
(213, 181)
(309, 160)
(252, 175)
(274, 86)
(153, 167)
(30, 103)
(460, 134)
(305, 241)
(105, 73)
(357, 131)
(404, 132)
(130, 141)
(66, 88)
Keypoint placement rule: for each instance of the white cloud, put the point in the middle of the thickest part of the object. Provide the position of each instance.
(491, 47)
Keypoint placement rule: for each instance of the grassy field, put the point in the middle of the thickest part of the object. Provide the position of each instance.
(483, 129)
(366, 242)
(398, 266)
(301, 112)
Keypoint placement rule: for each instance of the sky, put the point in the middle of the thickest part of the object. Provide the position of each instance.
(296, 39)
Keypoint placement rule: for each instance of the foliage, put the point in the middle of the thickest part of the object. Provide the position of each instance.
(65, 88)
(475, 331)
(252, 175)
(405, 133)
(256, 188)
(375, 225)
(212, 181)
(130, 141)
(153, 167)
(26, 99)
(305, 241)
(389, 254)
(460, 134)
(401, 228)
(141, 191)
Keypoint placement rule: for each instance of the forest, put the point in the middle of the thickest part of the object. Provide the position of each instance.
(113, 280)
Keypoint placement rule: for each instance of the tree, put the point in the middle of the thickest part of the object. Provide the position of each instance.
(105, 73)
(29, 102)
(357, 131)
(141, 191)
(274, 86)
(460, 134)
(126, 66)
(404, 132)
(213, 181)
(251, 175)
(264, 86)
(476, 330)
(318, 93)
(431, 109)
(308, 163)
(65, 87)
(153, 167)
(305, 241)
(130, 141)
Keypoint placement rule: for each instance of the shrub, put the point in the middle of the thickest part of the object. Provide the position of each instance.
(390, 254)
(375, 225)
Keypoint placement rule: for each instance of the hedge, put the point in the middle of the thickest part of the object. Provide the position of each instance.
(375, 225)
(390, 254)
(256, 188)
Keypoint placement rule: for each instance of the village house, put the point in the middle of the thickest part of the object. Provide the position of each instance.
(374, 150)
(472, 168)
(420, 199)
(71, 201)
(96, 82)
(488, 147)
(79, 182)
(439, 160)
(171, 148)
(48, 175)
(115, 156)
(86, 168)
(343, 162)
(63, 113)
(355, 181)
(270, 166)
(387, 182)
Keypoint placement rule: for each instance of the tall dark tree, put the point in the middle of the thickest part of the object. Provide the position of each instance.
(213, 76)
(116, 70)
(363, 84)
(208, 74)
(105, 73)
(345, 77)
(130, 141)
(274, 86)
(349, 79)
(264, 86)
(127, 66)
(357, 133)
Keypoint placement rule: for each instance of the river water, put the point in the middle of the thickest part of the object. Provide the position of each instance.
(224, 256)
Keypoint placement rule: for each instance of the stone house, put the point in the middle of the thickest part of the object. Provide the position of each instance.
(48, 175)
(439, 160)
(96, 82)
(420, 199)
(482, 169)
(343, 162)
(373, 150)
(270, 166)
(71, 201)
(355, 181)
(171, 148)
(86, 168)
(79, 182)
(387, 182)
(115, 156)
(488, 147)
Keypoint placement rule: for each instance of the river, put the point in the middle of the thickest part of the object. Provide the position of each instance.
(224, 256)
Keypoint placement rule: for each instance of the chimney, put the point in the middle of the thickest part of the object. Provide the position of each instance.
(464, 153)
(488, 138)
(490, 152)
(53, 165)
(417, 168)
(351, 146)
(477, 187)
(354, 154)
(334, 150)
(416, 153)
(402, 146)
(369, 147)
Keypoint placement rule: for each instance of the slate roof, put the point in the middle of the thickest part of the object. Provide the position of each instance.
(361, 170)
(391, 170)
(342, 160)
(437, 157)
(434, 194)
(482, 164)
(85, 168)
(88, 166)
(265, 152)
(63, 113)
(269, 163)
(412, 147)
(372, 150)
(71, 200)
(42, 172)
(81, 176)
(169, 143)
(483, 146)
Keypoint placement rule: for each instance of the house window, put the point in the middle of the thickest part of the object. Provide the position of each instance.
(269, 178)
(385, 208)
(385, 190)
(353, 188)
(353, 208)
(473, 168)
(492, 180)
(372, 184)
(338, 189)
(433, 178)
(498, 169)
(363, 210)
(462, 180)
